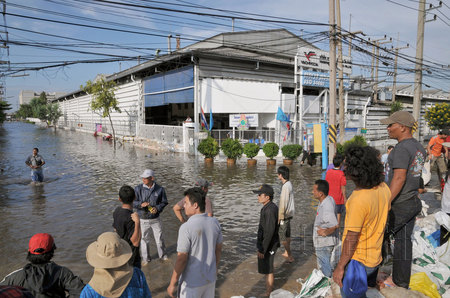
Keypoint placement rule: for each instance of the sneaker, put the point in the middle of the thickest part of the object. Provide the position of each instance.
(165, 258)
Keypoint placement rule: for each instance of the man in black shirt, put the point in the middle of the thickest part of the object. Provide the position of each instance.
(268, 240)
(41, 276)
(126, 223)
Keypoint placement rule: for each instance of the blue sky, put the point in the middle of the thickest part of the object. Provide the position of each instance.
(396, 18)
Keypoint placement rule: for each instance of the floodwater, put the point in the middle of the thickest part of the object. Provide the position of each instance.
(80, 192)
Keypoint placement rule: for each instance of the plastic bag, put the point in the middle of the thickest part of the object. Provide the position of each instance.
(280, 293)
(316, 285)
(421, 283)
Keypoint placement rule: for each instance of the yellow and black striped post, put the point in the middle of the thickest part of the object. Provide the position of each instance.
(332, 130)
(415, 126)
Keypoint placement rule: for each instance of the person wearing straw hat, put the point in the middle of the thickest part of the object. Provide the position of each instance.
(113, 275)
(42, 277)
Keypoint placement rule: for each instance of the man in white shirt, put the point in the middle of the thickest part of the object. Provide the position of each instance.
(286, 210)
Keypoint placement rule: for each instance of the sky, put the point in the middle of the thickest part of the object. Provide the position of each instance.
(44, 33)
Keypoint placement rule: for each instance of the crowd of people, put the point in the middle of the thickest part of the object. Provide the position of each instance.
(383, 206)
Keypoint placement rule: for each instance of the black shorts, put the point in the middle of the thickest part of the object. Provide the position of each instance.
(265, 266)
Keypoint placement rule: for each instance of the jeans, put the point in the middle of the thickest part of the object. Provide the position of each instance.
(372, 273)
(400, 224)
(37, 175)
(323, 255)
(155, 225)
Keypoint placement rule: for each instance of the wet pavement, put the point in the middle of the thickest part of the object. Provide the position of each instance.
(80, 191)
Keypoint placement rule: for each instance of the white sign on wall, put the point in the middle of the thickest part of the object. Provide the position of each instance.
(317, 59)
(242, 120)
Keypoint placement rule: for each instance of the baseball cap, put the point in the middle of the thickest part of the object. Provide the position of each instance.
(148, 173)
(354, 284)
(401, 117)
(41, 243)
(203, 183)
(265, 189)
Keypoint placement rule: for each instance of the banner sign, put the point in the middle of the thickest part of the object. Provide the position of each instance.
(317, 59)
(242, 120)
(321, 79)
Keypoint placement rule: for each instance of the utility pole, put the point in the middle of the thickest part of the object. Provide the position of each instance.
(374, 44)
(375, 87)
(419, 62)
(340, 75)
(394, 83)
(332, 106)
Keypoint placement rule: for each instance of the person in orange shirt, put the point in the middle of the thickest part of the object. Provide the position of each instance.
(434, 150)
(367, 210)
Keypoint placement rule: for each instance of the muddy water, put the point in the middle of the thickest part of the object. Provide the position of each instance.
(82, 177)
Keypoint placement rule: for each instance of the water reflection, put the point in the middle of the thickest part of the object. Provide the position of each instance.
(83, 175)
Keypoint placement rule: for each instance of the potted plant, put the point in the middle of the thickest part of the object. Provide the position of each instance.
(291, 152)
(232, 150)
(251, 150)
(271, 150)
(209, 148)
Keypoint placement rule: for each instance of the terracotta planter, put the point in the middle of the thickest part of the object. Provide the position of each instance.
(231, 161)
(288, 162)
(271, 162)
(209, 160)
(251, 162)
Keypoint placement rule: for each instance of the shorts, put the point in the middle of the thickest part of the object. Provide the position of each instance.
(265, 266)
(340, 208)
(284, 230)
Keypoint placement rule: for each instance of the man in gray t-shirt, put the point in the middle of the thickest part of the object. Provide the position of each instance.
(405, 167)
(325, 227)
(35, 162)
(199, 247)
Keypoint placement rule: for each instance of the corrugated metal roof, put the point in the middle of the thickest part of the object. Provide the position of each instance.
(273, 46)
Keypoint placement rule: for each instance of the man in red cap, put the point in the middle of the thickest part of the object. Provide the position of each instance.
(42, 277)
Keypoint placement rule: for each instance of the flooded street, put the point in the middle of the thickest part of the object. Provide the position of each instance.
(80, 192)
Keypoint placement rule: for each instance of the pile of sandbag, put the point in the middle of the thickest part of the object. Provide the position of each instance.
(429, 257)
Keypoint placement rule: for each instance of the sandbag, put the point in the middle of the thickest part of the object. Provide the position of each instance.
(316, 285)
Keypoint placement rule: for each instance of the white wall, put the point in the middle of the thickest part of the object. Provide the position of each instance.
(238, 96)
(78, 115)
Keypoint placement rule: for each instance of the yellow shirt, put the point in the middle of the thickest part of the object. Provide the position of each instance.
(367, 211)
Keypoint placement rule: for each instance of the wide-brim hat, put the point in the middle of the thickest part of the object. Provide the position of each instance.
(109, 251)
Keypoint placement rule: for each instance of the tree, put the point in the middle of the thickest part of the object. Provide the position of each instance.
(39, 107)
(53, 113)
(438, 116)
(24, 111)
(395, 107)
(4, 106)
(103, 99)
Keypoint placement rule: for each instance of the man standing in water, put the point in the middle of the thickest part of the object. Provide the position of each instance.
(35, 162)
(268, 240)
(286, 211)
(149, 203)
